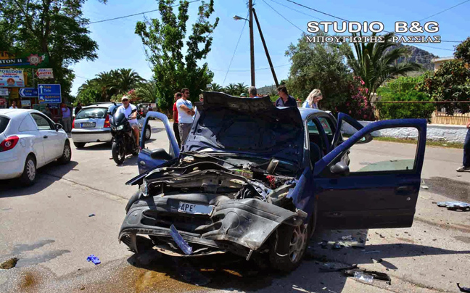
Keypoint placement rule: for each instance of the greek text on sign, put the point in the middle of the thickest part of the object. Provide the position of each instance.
(44, 73)
(11, 78)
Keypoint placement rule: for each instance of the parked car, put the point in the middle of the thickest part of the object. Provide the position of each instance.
(92, 124)
(28, 141)
(255, 180)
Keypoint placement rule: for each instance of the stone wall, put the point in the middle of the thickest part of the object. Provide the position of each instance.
(442, 132)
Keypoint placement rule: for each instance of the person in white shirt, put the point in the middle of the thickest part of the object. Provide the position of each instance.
(312, 100)
(13, 105)
(185, 115)
(130, 111)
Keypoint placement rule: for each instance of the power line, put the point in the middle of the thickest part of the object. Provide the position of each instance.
(444, 10)
(296, 10)
(284, 17)
(236, 46)
(246, 70)
(130, 15)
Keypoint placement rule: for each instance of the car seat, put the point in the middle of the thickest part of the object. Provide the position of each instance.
(315, 153)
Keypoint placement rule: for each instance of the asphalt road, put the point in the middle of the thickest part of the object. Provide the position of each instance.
(49, 228)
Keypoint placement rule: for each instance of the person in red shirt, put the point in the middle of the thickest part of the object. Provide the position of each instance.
(175, 119)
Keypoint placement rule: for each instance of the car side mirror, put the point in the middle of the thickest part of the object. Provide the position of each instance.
(340, 168)
(58, 126)
(365, 139)
(160, 154)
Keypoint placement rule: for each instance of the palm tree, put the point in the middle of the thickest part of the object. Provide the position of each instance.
(231, 89)
(147, 91)
(241, 88)
(215, 87)
(126, 80)
(376, 62)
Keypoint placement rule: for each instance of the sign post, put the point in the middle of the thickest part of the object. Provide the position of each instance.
(49, 93)
(28, 92)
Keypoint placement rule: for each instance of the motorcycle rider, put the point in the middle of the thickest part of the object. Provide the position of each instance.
(130, 111)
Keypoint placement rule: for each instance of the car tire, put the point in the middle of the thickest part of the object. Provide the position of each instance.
(79, 145)
(66, 153)
(115, 150)
(29, 172)
(148, 132)
(287, 247)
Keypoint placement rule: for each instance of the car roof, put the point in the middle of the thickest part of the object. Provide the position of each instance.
(101, 105)
(304, 112)
(14, 113)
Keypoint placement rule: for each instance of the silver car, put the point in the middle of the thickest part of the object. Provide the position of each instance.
(91, 124)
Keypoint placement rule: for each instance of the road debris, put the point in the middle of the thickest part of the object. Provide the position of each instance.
(463, 289)
(94, 259)
(454, 205)
(91, 215)
(8, 264)
(360, 276)
(373, 274)
(327, 268)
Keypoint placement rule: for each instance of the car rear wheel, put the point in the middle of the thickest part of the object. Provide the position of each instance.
(288, 245)
(66, 154)
(29, 171)
(79, 145)
(148, 133)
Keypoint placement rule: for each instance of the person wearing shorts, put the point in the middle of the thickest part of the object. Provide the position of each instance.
(130, 111)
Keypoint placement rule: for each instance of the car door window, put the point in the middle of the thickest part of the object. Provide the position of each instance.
(318, 139)
(378, 156)
(42, 122)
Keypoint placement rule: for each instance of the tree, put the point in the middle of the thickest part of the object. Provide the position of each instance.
(241, 87)
(231, 89)
(147, 91)
(462, 51)
(377, 62)
(124, 80)
(53, 27)
(175, 66)
(215, 87)
(319, 66)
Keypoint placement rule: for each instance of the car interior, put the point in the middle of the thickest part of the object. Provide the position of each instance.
(318, 147)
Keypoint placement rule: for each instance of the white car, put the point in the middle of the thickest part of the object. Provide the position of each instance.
(29, 140)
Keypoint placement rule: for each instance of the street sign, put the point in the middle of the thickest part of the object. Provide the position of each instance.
(49, 93)
(28, 92)
(3, 91)
(44, 73)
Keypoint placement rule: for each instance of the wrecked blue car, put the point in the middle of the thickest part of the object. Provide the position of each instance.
(255, 180)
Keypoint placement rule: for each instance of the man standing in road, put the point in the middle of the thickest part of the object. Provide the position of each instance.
(66, 117)
(130, 111)
(253, 92)
(175, 120)
(13, 105)
(466, 152)
(185, 115)
(78, 108)
(285, 100)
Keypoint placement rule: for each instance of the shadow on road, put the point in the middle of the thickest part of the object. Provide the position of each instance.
(46, 176)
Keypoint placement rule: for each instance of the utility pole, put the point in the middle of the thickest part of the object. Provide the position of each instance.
(266, 49)
(252, 46)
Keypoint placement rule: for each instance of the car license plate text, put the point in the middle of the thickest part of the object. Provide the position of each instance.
(191, 208)
(88, 124)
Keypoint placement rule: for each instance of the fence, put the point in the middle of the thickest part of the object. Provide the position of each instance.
(438, 116)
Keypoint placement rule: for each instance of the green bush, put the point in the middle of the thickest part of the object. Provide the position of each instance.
(403, 89)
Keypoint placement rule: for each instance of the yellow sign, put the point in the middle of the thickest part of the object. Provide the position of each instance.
(15, 93)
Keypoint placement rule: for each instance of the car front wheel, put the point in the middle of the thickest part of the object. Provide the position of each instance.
(29, 171)
(288, 245)
(66, 154)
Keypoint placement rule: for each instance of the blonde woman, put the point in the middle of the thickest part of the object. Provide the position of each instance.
(312, 100)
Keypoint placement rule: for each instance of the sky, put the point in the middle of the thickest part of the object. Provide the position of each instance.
(120, 47)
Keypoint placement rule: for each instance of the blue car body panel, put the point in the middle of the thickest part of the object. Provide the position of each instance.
(359, 200)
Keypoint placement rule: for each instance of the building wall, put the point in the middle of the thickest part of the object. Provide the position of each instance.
(440, 132)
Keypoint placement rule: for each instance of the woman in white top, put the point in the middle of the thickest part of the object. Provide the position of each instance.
(312, 100)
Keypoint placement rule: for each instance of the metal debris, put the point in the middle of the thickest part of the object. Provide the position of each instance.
(454, 205)
(8, 264)
(463, 289)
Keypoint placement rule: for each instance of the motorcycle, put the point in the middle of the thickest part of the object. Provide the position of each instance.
(123, 138)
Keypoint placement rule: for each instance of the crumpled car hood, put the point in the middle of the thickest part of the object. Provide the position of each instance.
(245, 125)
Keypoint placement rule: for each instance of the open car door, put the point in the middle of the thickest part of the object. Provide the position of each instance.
(156, 155)
(342, 118)
(378, 190)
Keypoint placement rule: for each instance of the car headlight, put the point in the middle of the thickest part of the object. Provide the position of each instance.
(120, 127)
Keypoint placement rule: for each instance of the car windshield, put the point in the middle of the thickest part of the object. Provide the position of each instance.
(3, 123)
(92, 113)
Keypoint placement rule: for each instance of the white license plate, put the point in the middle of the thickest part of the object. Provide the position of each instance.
(195, 209)
(87, 125)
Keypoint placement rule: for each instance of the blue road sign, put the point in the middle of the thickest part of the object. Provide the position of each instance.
(28, 92)
(49, 93)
